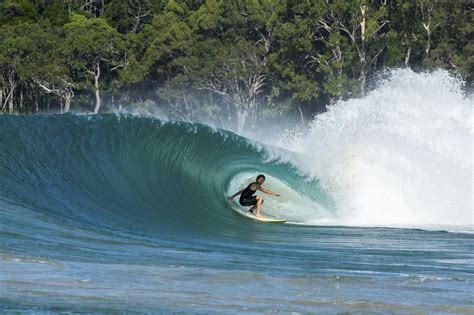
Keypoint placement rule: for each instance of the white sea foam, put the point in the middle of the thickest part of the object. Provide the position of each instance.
(400, 155)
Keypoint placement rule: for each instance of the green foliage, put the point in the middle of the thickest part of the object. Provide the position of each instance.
(194, 57)
(56, 13)
(17, 11)
(91, 41)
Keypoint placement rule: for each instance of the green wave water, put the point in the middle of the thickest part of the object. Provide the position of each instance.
(143, 172)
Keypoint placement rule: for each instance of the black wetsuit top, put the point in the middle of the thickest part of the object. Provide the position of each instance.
(247, 198)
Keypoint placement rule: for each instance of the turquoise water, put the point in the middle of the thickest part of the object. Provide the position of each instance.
(119, 213)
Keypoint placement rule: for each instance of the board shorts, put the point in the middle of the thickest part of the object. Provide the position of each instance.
(250, 201)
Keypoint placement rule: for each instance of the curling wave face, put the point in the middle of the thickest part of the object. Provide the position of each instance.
(126, 172)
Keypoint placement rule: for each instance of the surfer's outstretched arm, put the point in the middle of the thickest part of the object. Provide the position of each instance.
(235, 195)
(267, 191)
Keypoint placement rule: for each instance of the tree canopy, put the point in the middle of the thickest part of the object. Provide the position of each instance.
(228, 61)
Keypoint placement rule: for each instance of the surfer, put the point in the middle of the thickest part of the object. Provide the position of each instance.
(246, 195)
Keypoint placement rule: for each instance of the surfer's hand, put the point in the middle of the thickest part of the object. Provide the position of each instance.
(278, 195)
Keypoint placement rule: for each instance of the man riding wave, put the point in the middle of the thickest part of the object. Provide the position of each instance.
(248, 199)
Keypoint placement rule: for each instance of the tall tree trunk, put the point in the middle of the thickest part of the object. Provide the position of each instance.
(253, 108)
(241, 118)
(10, 103)
(363, 62)
(407, 57)
(338, 72)
(21, 100)
(96, 85)
(10, 96)
(67, 99)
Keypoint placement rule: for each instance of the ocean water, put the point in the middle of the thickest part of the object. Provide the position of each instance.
(117, 213)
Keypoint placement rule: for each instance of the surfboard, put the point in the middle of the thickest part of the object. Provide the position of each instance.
(261, 219)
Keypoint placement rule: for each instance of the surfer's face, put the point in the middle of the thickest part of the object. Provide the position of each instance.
(260, 181)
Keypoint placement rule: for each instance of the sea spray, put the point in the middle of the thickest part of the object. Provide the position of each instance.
(402, 155)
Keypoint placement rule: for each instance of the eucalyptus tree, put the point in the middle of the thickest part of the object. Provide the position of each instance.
(234, 39)
(130, 16)
(16, 59)
(51, 72)
(92, 46)
(14, 12)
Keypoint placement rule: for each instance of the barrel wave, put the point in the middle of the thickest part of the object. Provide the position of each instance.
(142, 174)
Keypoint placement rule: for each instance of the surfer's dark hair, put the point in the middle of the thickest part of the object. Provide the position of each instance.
(261, 175)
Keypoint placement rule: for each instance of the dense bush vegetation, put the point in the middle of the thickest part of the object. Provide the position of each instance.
(228, 61)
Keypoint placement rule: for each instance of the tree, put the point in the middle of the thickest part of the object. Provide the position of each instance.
(130, 15)
(56, 13)
(365, 26)
(17, 12)
(295, 77)
(51, 72)
(331, 51)
(93, 46)
(431, 18)
(16, 47)
(452, 45)
(404, 35)
(238, 76)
